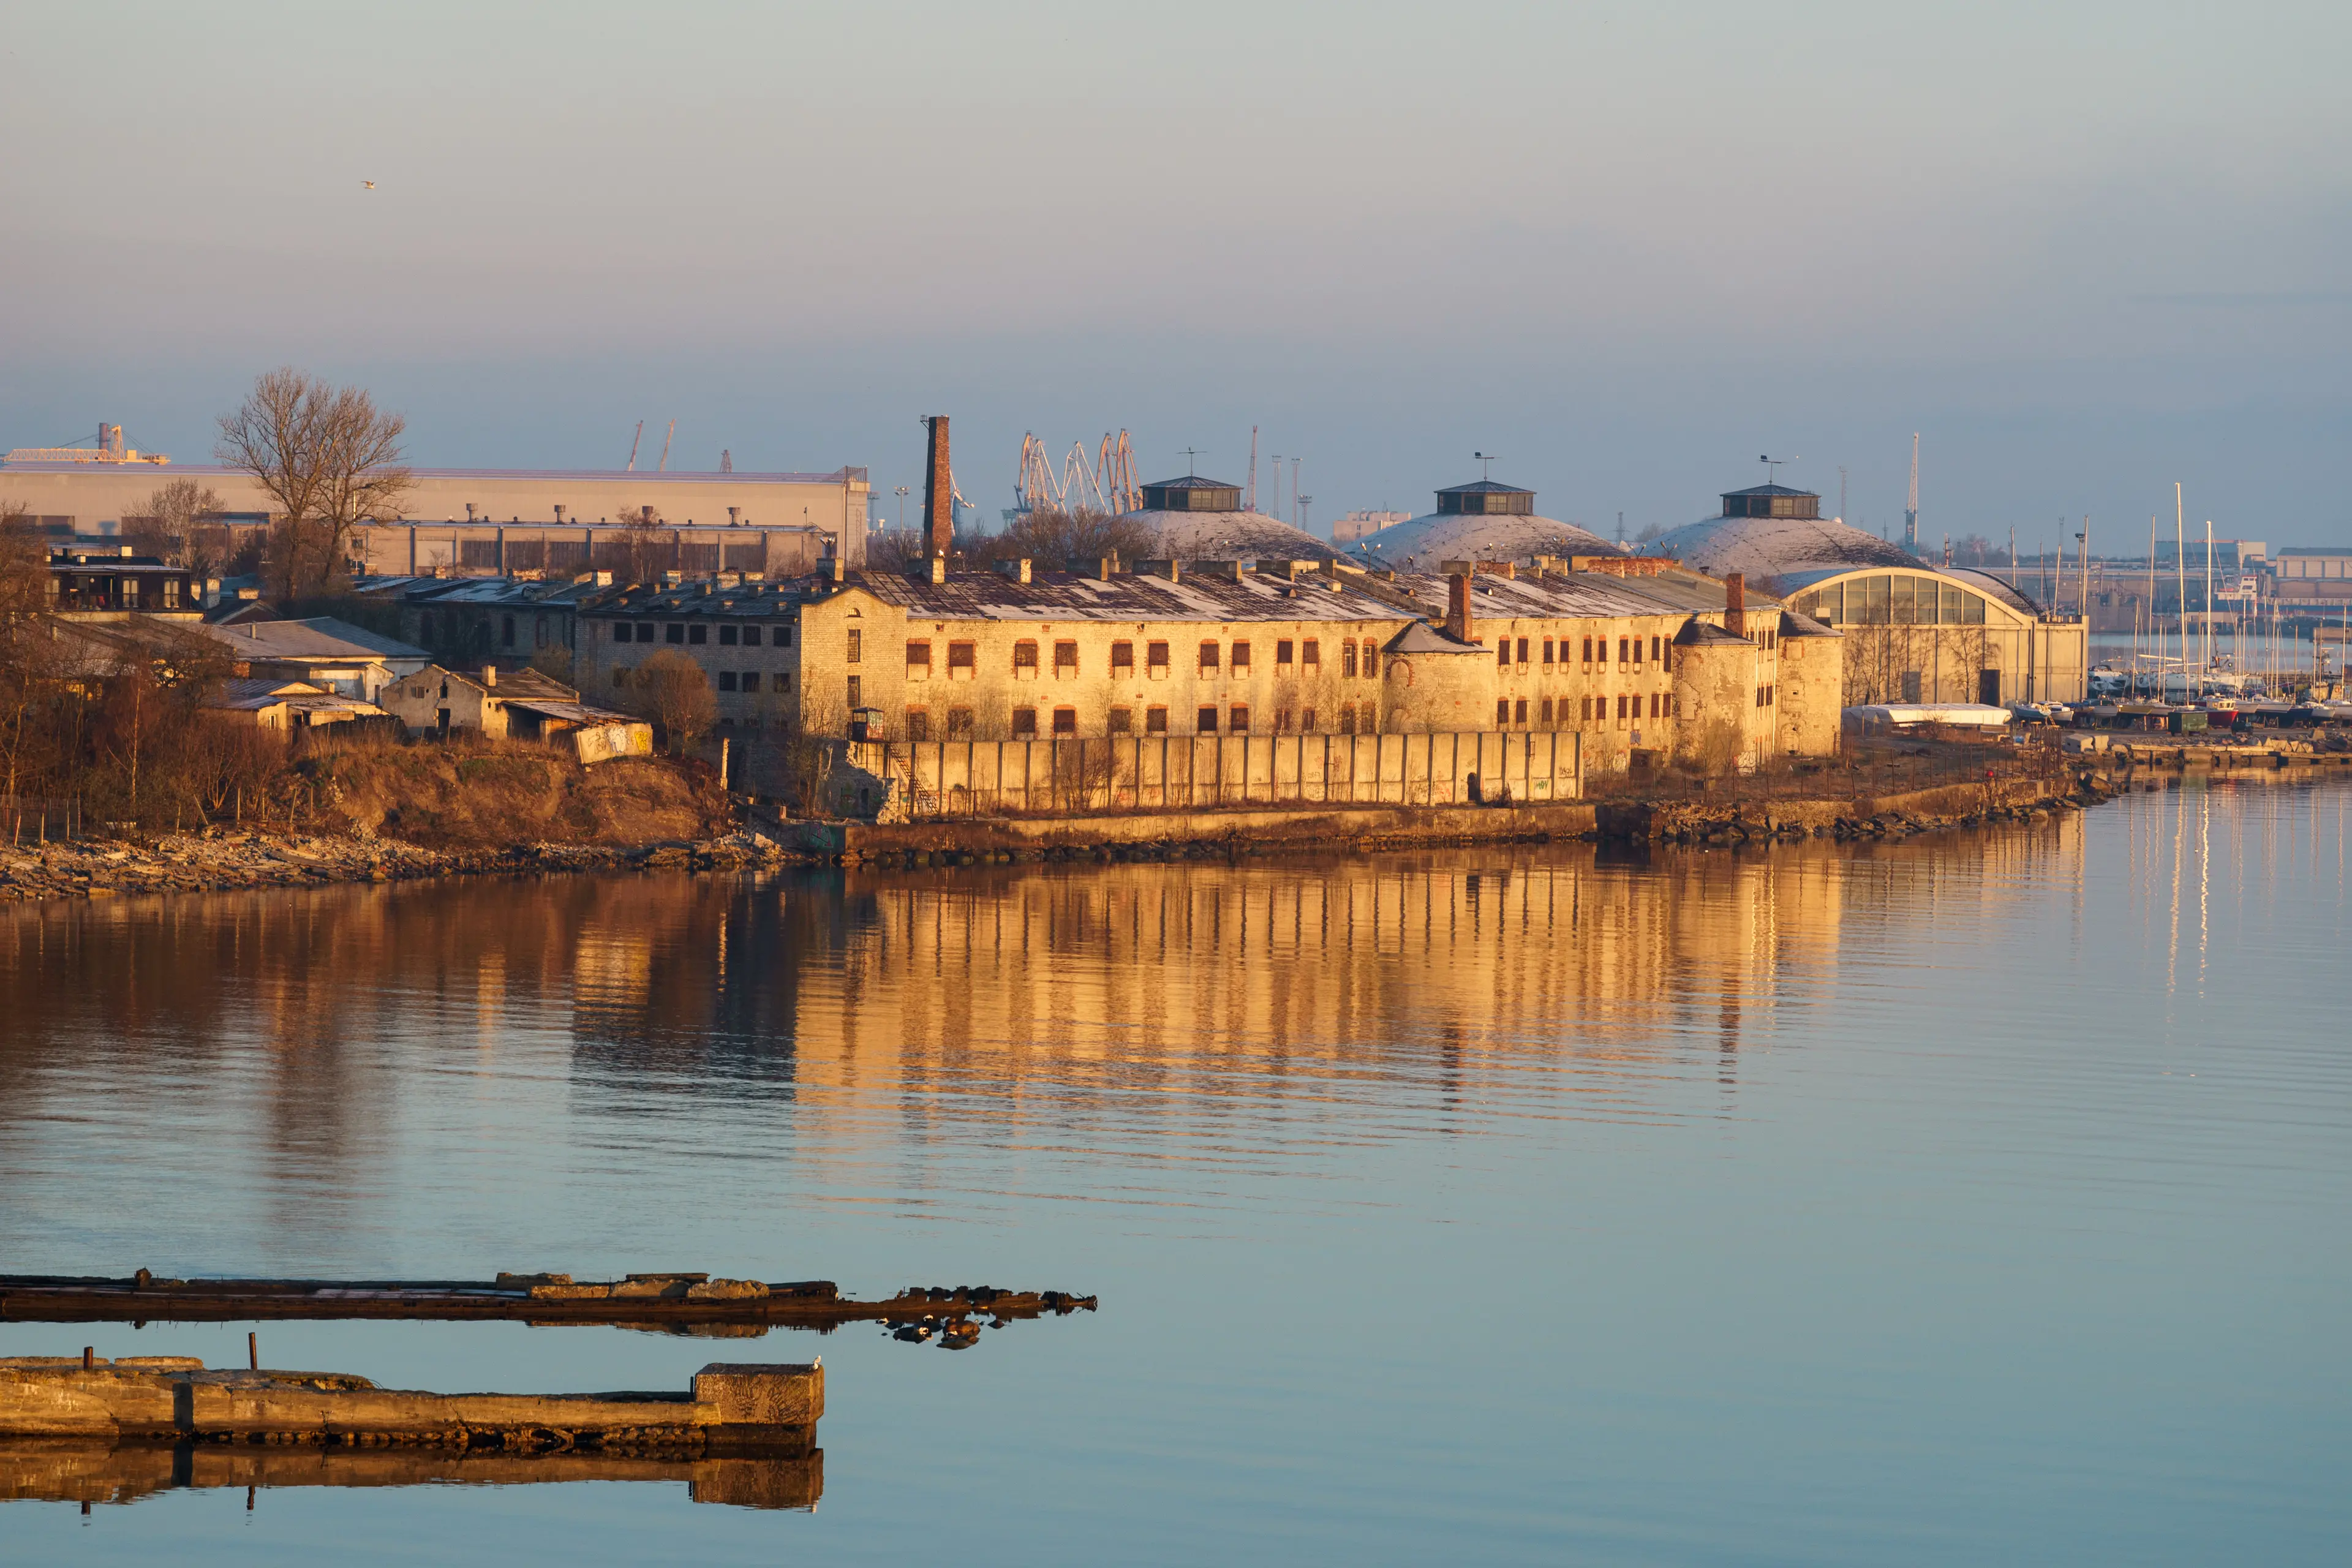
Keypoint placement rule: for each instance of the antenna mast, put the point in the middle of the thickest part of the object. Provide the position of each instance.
(1249, 497)
(1911, 509)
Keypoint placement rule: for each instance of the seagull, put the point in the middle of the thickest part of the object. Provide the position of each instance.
(368, 184)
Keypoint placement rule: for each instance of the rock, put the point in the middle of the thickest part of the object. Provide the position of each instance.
(725, 1290)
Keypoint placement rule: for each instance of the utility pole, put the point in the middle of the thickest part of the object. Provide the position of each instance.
(2012, 558)
(2205, 627)
(1249, 500)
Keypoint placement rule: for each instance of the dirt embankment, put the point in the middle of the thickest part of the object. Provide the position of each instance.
(488, 796)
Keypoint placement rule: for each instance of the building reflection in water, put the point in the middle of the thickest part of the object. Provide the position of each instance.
(297, 1024)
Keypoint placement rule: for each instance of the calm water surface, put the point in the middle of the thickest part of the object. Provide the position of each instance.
(1978, 1199)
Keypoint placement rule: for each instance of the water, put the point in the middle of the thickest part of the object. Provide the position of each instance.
(1981, 1197)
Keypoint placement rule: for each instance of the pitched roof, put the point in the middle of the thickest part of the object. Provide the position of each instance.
(319, 638)
(1484, 488)
(1421, 637)
(1773, 491)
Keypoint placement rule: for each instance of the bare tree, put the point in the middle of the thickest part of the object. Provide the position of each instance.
(326, 456)
(639, 551)
(23, 564)
(171, 527)
(671, 689)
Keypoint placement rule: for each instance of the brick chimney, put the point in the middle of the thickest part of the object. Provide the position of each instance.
(490, 675)
(1459, 622)
(939, 493)
(1735, 604)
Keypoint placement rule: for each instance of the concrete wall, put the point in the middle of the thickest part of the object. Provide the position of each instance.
(1813, 682)
(956, 778)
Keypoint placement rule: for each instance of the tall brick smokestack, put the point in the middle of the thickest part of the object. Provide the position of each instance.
(939, 494)
(1458, 619)
(1735, 604)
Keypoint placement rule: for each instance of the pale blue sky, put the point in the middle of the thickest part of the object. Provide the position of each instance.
(2085, 249)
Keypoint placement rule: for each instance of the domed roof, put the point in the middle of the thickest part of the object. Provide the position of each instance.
(1774, 546)
(1230, 536)
(1421, 544)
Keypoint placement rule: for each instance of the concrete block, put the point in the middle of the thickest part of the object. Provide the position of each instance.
(751, 1393)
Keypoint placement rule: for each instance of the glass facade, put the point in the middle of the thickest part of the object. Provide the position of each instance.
(1898, 599)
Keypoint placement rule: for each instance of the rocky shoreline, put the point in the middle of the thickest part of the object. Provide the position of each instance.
(220, 862)
(225, 861)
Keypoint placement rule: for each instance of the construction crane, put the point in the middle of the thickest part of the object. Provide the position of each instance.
(664, 466)
(1911, 508)
(633, 441)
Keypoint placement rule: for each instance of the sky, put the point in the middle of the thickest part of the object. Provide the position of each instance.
(2085, 250)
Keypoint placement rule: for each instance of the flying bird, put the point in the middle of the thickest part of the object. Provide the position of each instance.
(368, 184)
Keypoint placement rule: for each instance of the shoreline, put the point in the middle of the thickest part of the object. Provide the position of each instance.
(247, 861)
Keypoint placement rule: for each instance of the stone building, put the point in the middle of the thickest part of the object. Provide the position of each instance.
(1647, 661)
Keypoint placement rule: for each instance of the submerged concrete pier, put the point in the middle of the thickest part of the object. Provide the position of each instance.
(729, 1407)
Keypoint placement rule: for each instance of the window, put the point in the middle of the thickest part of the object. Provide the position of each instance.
(1281, 720)
(959, 724)
(1637, 653)
(1583, 710)
(726, 681)
(1760, 696)
(857, 691)
(1523, 650)
(1772, 696)
(1024, 659)
(698, 634)
(779, 636)
(751, 636)
(1065, 661)
(505, 627)
(1621, 708)
(855, 653)
(728, 637)
(1502, 712)
(674, 632)
(1503, 653)
(1122, 658)
(1348, 660)
(918, 661)
(1657, 650)
(1545, 711)
(1657, 705)
(1238, 721)
(1155, 658)
(1371, 658)
(1547, 651)
(1155, 721)
(1346, 718)
(919, 724)
(962, 659)
(1024, 723)
(1208, 656)
(1122, 720)
(1310, 656)
(1066, 720)
(1283, 649)
(1241, 659)
(1519, 711)
(1306, 719)
(1624, 650)
(1205, 722)
(1588, 653)
(751, 680)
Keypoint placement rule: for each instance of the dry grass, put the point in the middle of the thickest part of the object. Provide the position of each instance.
(472, 792)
